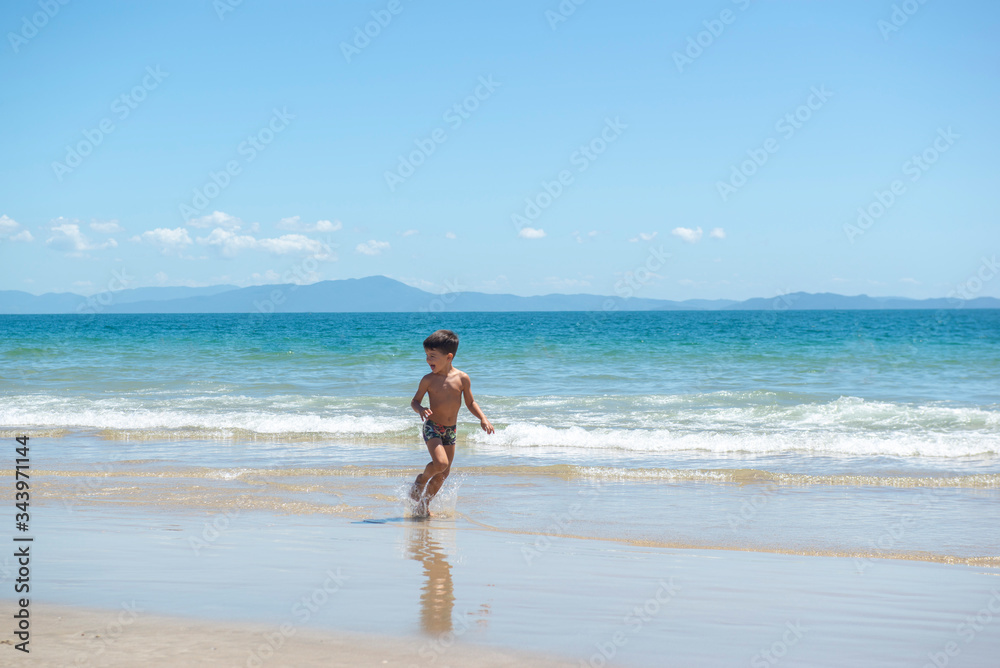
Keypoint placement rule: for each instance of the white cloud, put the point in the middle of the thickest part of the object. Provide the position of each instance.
(911, 281)
(9, 228)
(450, 235)
(161, 277)
(409, 233)
(108, 227)
(294, 243)
(687, 282)
(644, 236)
(328, 226)
(687, 234)
(8, 224)
(717, 233)
(166, 239)
(217, 219)
(230, 239)
(295, 223)
(372, 247)
(68, 237)
(228, 242)
(531, 233)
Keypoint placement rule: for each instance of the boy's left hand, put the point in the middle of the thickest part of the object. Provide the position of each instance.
(487, 427)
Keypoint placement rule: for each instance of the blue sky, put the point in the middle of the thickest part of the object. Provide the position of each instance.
(503, 147)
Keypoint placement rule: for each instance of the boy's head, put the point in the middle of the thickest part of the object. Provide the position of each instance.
(441, 347)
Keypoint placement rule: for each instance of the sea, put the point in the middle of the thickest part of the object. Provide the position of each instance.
(800, 431)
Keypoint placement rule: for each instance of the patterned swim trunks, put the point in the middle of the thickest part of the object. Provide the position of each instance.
(434, 430)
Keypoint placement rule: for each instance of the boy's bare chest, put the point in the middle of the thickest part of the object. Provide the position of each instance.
(445, 388)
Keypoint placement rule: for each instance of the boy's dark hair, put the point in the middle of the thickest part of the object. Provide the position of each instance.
(444, 340)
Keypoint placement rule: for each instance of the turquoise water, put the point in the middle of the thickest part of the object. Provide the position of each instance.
(648, 388)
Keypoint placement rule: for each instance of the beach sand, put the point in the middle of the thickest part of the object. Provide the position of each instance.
(165, 584)
(71, 636)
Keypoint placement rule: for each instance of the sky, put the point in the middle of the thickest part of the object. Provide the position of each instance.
(674, 150)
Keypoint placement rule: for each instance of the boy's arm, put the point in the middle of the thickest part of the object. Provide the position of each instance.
(473, 407)
(416, 402)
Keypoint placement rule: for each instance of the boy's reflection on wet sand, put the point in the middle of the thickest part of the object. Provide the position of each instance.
(438, 596)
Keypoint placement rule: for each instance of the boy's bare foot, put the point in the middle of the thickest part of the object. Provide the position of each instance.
(419, 501)
(420, 508)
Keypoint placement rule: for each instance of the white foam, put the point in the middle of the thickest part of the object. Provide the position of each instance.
(845, 426)
(721, 423)
(521, 435)
(128, 415)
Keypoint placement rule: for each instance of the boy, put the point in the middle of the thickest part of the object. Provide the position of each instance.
(445, 385)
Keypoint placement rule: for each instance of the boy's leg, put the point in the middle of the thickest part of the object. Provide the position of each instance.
(445, 453)
(429, 482)
(417, 490)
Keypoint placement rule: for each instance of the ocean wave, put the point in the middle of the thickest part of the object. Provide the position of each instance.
(755, 422)
(193, 419)
(761, 423)
(794, 439)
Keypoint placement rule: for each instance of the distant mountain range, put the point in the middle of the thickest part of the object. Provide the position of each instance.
(378, 293)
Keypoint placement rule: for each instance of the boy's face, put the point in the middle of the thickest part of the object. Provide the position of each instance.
(437, 359)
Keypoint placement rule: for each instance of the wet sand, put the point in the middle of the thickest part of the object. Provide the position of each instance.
(447, 592)
(944, 519)
(72, 636)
